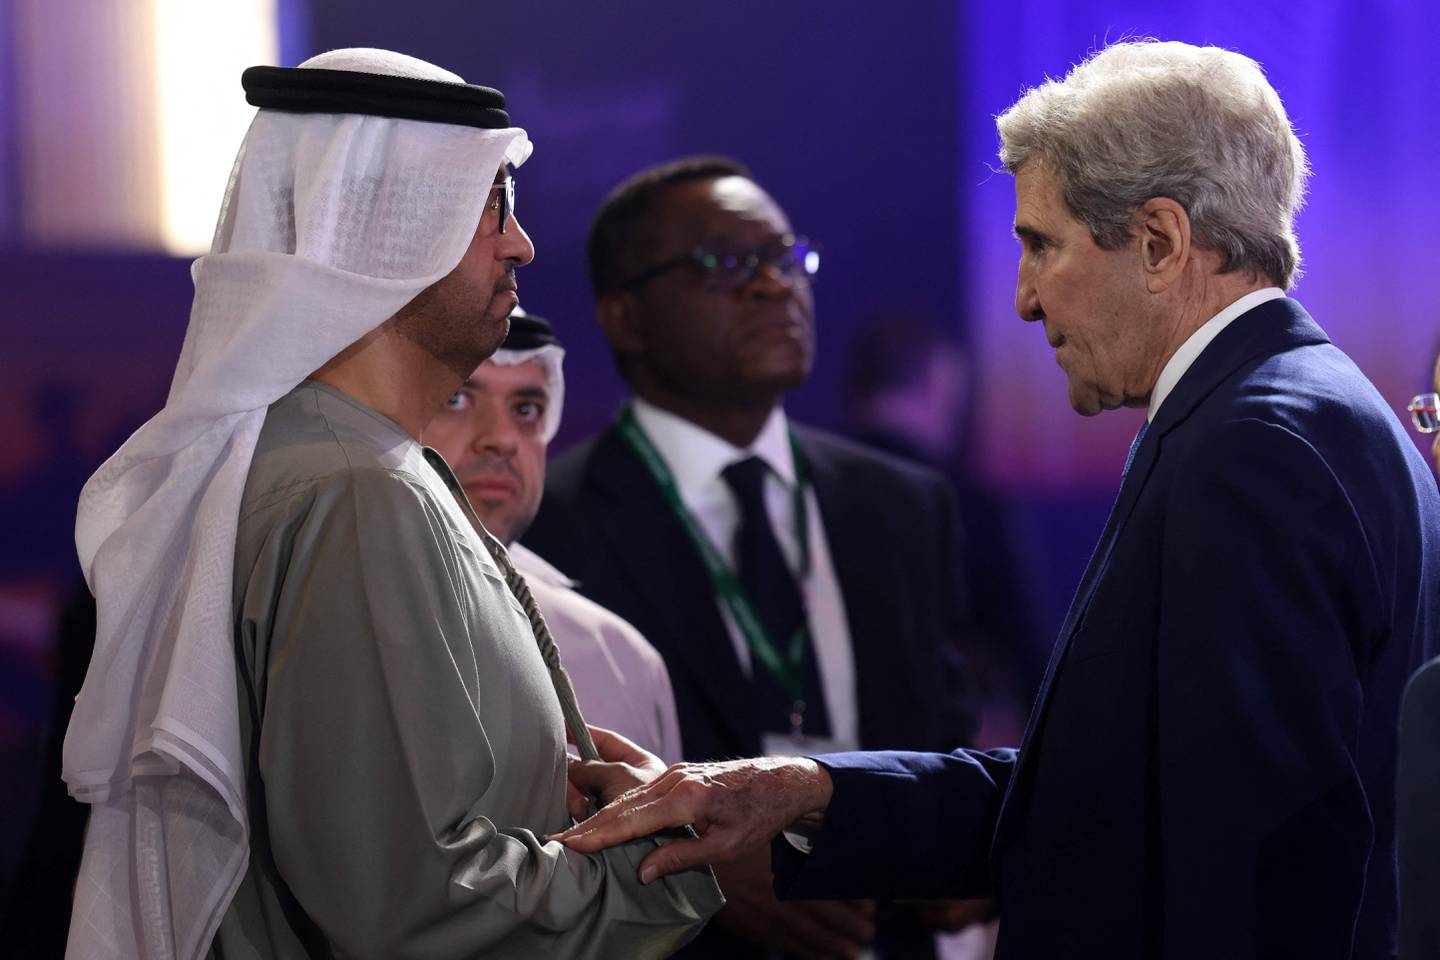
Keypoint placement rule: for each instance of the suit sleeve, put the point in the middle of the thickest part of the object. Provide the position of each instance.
(391, 818)
(901, 826)
(1269, 601)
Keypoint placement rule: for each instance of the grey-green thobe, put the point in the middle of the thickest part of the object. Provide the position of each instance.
(405, 747)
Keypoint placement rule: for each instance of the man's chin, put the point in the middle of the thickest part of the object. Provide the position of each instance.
(506, 301)
(498, 527)
(492, 327)
(1086, 404)
(782, 370)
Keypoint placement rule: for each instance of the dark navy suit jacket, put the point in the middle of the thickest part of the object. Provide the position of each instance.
(1208, 770)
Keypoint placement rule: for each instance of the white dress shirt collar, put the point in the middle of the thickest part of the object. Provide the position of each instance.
(1196, 343)
(696, 456)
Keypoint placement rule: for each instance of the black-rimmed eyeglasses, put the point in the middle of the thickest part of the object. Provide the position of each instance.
(724, 270)
(1425, 412)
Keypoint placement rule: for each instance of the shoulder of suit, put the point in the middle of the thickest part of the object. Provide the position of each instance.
(1314, 392)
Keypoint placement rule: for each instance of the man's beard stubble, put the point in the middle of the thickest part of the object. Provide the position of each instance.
(444, 321)
(510, 521)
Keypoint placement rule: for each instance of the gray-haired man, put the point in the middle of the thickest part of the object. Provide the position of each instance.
(1208, 770)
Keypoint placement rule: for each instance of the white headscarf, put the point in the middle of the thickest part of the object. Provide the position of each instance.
(330, 224)
(551, 358)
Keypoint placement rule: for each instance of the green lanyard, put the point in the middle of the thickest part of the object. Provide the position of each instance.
(787, 667)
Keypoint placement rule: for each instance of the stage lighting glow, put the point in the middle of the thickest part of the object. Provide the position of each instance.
(200, 50)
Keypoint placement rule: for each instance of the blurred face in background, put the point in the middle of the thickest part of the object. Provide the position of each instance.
(491, 433)
(744, 344)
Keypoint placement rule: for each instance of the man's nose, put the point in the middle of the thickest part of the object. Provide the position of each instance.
(769, 282)
(498, 440)
(515, 244)
(1027, 298)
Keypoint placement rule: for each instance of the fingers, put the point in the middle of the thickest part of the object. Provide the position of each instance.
(606, 779)
(576, 802)
(631, 815)
(718, 845)
(672, 857)
(602, 831)
(617, 749)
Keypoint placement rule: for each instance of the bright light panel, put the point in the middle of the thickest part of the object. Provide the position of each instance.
(201, 46)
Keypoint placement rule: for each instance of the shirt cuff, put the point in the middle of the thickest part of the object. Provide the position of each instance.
(799, 841)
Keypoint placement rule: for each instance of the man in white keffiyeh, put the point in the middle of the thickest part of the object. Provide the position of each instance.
(316, 721)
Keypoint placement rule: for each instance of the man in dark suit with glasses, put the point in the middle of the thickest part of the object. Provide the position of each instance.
(805, 593)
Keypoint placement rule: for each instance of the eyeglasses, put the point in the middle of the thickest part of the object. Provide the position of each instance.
(506, 201)
(1425, 412)
(724, 270)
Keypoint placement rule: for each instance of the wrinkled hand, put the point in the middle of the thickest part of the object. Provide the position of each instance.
(799, 928)
(951, 916)
(734, 807)
(622, 766)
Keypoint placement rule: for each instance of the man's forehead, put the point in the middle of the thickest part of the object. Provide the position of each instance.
(528, 374)
(720, 207)
(1039, 205)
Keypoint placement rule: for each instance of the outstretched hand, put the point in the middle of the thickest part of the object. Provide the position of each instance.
(733, 806)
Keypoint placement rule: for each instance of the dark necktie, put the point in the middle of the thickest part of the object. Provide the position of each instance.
(770, 586)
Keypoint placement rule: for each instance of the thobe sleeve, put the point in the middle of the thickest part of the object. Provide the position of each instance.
(391, 818)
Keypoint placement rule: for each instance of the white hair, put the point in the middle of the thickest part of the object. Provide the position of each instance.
(1199, 125)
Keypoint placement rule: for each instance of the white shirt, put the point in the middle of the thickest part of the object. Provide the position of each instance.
(1196, 343)
(696, 458)
(620, 679)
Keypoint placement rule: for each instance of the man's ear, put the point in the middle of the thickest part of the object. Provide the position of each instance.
(1164, 242)
(619, 316)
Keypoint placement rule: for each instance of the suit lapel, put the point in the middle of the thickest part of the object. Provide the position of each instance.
(1267, 329)
(653, 553)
